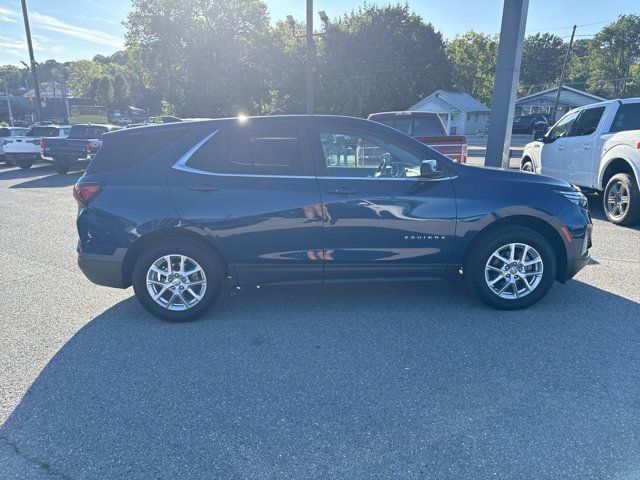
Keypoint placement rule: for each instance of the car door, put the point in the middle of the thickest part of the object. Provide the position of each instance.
(554, 147)
(251, 187)
(580, 147)
(381, 222)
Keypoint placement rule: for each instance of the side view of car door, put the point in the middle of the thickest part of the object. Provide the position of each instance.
(581, 147)
(385, 221)
(554, 147)
(251, 187)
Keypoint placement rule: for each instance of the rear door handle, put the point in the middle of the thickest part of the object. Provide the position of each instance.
(203, 187)
(342, 191)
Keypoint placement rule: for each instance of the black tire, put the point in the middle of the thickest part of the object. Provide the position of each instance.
(60, 165)
(527, 166)
(632, 213)
(24, 164)
(191, 249)
(482, 250)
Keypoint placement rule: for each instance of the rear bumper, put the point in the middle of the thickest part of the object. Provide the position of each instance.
(103, 269)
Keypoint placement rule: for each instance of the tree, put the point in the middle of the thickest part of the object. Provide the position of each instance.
(473, 56)
(614, 50)
(377, 59)
(207, 57)
(542, 58)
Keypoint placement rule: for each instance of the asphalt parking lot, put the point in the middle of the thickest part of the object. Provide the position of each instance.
(345, 382)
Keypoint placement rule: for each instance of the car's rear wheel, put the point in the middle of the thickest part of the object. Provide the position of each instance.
(621, 200)
(61, 165)
(510, 269)
(23, 163)
(177, 280)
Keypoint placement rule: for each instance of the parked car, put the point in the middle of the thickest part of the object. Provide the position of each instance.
(6, 133)
(426, 127)
(78, 148)
(24, 151)
(182, 211)
(596, 147)
(530, 123)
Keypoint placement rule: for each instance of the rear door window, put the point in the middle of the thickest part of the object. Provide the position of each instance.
(252, 150)
(588, 122)
(627, 118)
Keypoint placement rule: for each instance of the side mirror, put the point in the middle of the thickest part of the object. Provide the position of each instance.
(429, 169)
(539, 135)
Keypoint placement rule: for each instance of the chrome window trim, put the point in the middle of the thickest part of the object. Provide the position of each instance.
(181, 165)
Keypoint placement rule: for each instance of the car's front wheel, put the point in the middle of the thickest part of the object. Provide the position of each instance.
(621, 200)
(510, 269)
(177, 280)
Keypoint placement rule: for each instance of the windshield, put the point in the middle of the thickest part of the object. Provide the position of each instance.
(43, 132)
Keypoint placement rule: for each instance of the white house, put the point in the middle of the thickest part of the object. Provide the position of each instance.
(542, 102)
(461, 113)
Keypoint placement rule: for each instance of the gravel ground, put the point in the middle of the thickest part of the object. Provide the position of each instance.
(344, 382)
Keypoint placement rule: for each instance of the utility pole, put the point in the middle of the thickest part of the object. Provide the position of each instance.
(561, 81)
(34, 65)
(310, 54)
(514, 20)
(6, 93)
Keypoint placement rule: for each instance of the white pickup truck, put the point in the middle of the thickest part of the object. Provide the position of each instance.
(597, 148)
(25, 151)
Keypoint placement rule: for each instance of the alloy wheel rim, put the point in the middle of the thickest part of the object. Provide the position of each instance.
(617, 200)
(514, 271)
(176, 282)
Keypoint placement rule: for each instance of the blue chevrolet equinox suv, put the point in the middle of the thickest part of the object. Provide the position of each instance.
(185, 211)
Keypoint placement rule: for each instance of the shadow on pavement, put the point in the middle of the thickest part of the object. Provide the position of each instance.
(51, 181)
(414, 381)
(15, 173)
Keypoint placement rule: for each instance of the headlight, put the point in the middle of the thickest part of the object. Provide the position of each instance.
(575, 196)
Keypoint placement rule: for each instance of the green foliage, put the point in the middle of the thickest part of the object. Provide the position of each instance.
(379, 59)
(208, 57)
(473, 56)
(542, 57)
(612, 54)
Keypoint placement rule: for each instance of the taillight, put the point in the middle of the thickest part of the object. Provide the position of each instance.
(463, 156)
(41, 143)
(89, 146)
(638, 145)
(85, 192)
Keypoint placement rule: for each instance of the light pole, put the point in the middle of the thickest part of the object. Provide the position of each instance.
(34, 64)
(310, 51)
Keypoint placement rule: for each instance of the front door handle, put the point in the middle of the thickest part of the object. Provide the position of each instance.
(586, 147)
(203, 188)
(342, 191)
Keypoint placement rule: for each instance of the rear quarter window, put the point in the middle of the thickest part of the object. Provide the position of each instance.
(131, 147)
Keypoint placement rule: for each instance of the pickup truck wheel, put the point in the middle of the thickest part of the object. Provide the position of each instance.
(60, 165)
(527, 166)
(510, 268)
(24, 164)
(621, 200)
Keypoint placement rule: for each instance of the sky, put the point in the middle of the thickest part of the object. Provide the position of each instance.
(79, 29)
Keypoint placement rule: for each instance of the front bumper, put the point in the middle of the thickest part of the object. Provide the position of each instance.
(103, 270)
